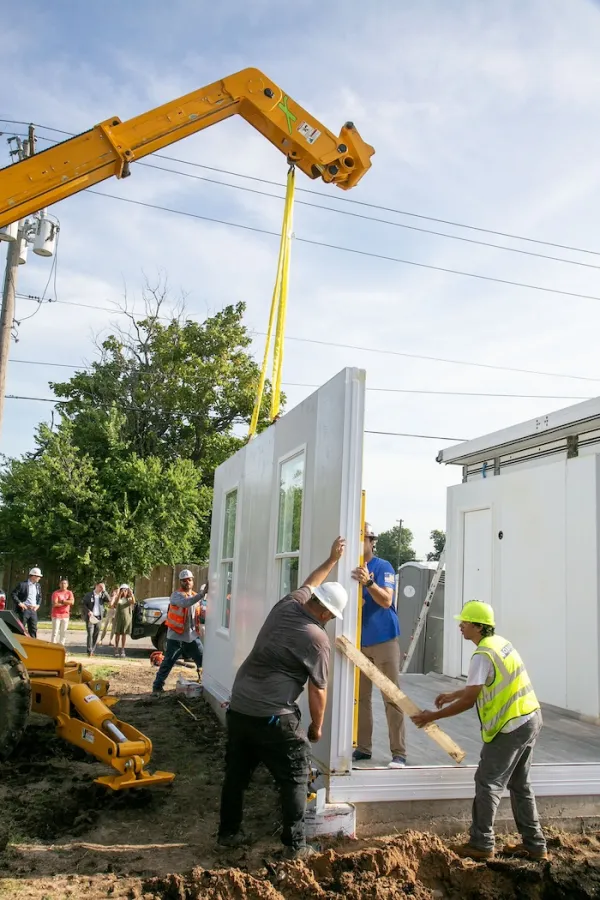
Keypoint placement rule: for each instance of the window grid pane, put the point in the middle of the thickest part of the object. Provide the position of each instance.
(291, 484)
(227, 580)
(288, 580)
(229, 527)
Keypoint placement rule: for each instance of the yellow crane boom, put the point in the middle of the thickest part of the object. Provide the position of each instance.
(110, 147)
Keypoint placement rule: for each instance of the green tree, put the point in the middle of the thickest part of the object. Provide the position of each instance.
(180, 385)
(439, 542)
(111, 521)
(125, 482)
(396, 548)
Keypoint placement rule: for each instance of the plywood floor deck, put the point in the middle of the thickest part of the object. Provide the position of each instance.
(564, 738)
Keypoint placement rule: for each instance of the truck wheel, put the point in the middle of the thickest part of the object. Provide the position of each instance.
(15, 701)
(159, 640)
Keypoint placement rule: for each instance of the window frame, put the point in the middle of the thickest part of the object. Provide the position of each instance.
(226, 561)
(280, 556)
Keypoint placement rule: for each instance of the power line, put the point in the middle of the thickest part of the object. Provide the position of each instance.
(378, 350)
(55, 400)
(387, 390)
(363, 203)
(380, 207)
(425, 437)
(354, 250)
(343, 212)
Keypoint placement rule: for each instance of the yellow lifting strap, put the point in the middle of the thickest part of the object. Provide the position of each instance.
(279, 307)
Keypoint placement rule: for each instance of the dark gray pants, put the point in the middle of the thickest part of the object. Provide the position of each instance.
(505, 763)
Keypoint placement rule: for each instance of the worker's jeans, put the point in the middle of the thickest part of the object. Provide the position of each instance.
(173, 651)
(386, 657)
(29, 619)
(505, 763)
(59, 630)
(283, 748)
(93, 630)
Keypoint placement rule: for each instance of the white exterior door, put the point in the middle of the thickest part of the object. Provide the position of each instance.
(477, 566)
(279, 502)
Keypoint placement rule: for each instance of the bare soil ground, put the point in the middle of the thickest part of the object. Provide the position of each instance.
(63, 837)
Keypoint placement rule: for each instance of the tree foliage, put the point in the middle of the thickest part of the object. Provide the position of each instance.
(124, 482)
(438, 539)
(395, 547)
(110, 521)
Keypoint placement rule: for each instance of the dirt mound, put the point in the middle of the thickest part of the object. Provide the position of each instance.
(413, 865)
(61, 836)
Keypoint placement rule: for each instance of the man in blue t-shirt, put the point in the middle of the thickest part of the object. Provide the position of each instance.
(379, 643)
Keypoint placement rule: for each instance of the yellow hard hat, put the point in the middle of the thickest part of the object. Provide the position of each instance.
(477, 612)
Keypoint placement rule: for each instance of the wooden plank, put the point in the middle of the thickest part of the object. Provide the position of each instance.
(393, 693)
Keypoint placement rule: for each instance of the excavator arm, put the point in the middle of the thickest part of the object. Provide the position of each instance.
(110, 147)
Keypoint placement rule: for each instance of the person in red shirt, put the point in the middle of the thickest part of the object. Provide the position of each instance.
(62, 601)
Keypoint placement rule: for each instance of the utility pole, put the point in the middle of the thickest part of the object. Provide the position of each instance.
(10, 285)
(399, 542)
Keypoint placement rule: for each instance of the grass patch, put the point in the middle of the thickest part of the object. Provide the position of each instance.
(103, 671)
(74, 625)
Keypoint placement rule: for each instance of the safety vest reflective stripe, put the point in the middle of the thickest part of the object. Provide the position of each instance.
(176, 618)
(511, 693)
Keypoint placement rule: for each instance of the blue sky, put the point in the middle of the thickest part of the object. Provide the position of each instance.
(487, 114)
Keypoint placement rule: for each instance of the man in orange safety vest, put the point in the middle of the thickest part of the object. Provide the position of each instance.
(182, 629)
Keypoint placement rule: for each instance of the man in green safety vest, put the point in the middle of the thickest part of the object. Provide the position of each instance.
(511, 720)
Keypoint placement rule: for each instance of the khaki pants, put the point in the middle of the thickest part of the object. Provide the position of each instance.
(59, 631)
(108, 622)
(386, 657)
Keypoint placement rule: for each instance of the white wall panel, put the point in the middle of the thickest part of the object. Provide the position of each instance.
(328, 427)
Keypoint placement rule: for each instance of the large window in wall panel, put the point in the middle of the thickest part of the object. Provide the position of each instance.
(227, 556)
(289, 522)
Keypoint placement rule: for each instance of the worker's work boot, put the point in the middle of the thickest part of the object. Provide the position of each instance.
(467, 851)
(293, 853)
(524, 852)
(359, 755)
(233, 840)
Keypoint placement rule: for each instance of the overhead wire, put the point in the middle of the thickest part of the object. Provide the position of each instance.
(354, 250)
(358, 347)
(55, 400)
(377, 206)
(386, 390)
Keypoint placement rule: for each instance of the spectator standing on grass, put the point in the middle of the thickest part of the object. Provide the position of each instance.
(124, 604)
(379, 643)
(60, 611)
(92, 605)
(108, 618)
(27, 599)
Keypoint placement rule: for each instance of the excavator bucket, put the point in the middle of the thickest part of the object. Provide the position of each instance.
(130, 780)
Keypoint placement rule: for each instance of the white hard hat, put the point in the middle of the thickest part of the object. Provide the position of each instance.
(124, 587)
(333, 596)
(185, 573)
(35, 571)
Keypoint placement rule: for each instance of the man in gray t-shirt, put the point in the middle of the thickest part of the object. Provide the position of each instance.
(292, 648)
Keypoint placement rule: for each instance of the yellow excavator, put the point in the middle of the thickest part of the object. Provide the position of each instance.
(35, 676)
(110, 147)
